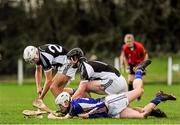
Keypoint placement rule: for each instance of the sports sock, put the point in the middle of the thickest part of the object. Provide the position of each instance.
(157, 100)
(138, 74)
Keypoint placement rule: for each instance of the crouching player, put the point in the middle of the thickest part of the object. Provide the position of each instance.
(115, 106)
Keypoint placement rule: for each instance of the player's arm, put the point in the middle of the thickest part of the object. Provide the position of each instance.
(100, 110)
(88, 114)
(52, 116)
(47, 84)
(85, 75)
(80, 91)
(124, 61)
(121, 60)
(146, 55)
(67, 116)
(38, 78)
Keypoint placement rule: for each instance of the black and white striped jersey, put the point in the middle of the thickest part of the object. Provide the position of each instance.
(52, 56)
(96, 70)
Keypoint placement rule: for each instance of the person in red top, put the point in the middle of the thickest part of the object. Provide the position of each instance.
(132, 54)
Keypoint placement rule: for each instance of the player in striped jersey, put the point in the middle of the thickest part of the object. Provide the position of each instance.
(50, 57)
(96, 76)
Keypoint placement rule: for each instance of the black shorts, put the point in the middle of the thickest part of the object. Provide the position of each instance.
(131, 67)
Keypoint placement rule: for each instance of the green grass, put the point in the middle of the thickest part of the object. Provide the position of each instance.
(14, 99)
(157, 71)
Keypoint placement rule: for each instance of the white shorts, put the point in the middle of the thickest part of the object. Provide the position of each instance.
(116, 103)
(68, 71)
(115, 86)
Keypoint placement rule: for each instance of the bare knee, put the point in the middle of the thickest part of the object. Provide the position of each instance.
(59, 82)
(139, 91)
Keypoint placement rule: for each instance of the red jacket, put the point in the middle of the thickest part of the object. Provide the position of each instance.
(134, 56)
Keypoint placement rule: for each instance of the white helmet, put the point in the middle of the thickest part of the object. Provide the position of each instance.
(61, 98)
(30, 53)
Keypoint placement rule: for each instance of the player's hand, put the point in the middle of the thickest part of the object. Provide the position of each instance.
(86, 115)
(52, 116)
(38, 103)
(39, 91)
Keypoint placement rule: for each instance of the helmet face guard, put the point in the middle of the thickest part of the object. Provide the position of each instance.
(62, 98)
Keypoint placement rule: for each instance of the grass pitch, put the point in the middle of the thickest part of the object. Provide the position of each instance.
(14, 99)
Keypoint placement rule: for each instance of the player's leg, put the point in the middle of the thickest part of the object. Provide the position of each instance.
(59, 82)
(138, 82)
(137, 113)
(130, 82)
(131, 113)
(155, 112)
(108, 86)
(139, 71)
(115, 86)
(71, 91)
(131, 77)
(138, 91)
(95, 86)
(158, 113)
(62, 77)
(160, 97)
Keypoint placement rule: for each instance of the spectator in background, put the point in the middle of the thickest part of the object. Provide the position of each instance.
(132, 54)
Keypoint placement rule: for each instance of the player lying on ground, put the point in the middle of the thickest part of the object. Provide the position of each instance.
(115, 106)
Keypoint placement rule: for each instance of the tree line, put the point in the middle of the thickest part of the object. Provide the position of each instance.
(96, 26)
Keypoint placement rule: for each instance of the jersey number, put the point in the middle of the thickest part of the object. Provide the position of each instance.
(54, 48)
